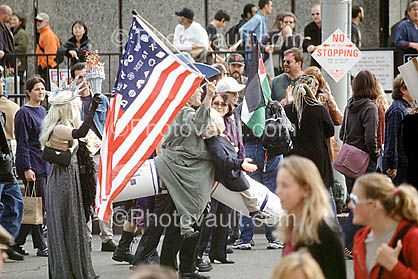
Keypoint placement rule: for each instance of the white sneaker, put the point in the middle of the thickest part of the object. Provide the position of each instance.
(241, 245)
(275, 245)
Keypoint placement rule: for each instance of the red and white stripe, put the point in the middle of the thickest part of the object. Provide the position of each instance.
(131, 136)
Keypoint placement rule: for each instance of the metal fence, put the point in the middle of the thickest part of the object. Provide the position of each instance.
(16, 77)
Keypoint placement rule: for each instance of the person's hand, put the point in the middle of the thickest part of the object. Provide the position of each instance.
(95, 102)
(2, 53)
(73, 54)
(413, 45)
(247, 166)
(387, 256)
(391, 172)
(97, 98)
(311, 48)
(287, 31)
(30, 175)
(211, 89)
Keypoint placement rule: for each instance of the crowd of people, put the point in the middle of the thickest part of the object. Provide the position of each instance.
(382, 200)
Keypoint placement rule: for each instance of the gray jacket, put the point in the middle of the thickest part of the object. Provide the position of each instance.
(359, 127)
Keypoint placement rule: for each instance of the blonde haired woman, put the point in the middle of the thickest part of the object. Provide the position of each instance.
(387, 246)
(310, 223)
(314, 127)
(298, 265)
(69, 252)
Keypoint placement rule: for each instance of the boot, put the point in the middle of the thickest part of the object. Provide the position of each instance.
(122, 252)
(188, 254)
(203, 265)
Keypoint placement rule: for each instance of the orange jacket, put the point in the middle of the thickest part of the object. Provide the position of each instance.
(48, 44)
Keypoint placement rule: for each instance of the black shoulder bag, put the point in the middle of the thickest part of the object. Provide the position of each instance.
(277, 136)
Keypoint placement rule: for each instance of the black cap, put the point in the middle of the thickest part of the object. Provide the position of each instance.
(187, 13)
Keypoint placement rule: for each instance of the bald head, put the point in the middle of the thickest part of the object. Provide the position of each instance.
(5, 13)
(316, 14)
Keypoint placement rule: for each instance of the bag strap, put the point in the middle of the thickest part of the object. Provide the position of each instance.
(398, 237)
(33, 192)
(345, 125)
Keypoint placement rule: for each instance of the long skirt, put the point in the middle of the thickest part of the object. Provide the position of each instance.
(69, 252)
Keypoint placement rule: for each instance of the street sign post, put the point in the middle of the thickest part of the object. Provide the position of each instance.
(337, 55)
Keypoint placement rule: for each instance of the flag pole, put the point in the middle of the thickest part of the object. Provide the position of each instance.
(166, 41)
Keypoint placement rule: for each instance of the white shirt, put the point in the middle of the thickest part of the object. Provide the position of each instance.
(195, 34)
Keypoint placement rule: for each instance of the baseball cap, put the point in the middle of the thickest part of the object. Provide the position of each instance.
(229, 84)
(42, 17)
(187, 13)
(235, 58)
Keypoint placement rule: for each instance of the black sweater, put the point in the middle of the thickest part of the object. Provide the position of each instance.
(329, 253)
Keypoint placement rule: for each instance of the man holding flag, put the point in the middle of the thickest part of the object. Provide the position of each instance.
(253, 115)
(152, 89)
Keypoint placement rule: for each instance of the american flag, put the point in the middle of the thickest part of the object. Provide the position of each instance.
(152, 86)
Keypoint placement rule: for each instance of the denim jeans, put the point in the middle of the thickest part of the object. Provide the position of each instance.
(11, 207)
(266, 174)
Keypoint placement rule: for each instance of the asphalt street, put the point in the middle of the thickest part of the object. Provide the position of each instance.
(254, 264)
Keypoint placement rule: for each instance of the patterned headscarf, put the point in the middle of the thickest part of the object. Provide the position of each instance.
(303, 94)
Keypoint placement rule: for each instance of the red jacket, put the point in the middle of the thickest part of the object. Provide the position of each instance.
(400, 271)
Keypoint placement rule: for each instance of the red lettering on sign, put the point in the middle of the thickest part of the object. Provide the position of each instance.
(338, 52)
(337, 38)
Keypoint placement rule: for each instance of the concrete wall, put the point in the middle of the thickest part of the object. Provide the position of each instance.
(102, 17)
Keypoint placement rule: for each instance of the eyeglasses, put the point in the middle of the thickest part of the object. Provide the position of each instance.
(314, 14)
(219, 104)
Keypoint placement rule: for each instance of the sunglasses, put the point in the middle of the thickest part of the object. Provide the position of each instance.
(287, 62)
(355, 200)
(219, 104)
(314, 14)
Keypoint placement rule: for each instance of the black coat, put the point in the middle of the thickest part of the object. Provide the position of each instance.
(313, 36)
(6, 167)
(409, 137)
(227, 164)
(85, 46)
(312, 136)
(6, 45)
(329, 252)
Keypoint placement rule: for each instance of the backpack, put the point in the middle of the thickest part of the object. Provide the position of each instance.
(277, 136)
(232, 35)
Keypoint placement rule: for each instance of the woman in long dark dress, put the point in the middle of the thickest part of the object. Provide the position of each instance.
(69, 252)
(313, 125)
